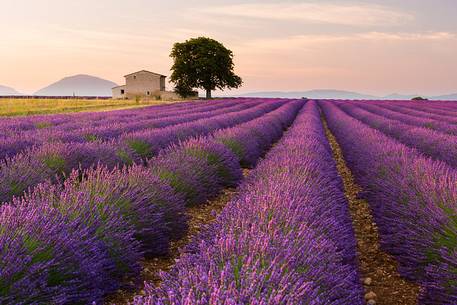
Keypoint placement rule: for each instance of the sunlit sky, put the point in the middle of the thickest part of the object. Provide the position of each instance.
(376, 47)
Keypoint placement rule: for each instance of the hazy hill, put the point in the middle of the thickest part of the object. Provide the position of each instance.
(4, 90)
(341, 94)
(79, 85)
(449, 97)
(397, 96)
(315, 94)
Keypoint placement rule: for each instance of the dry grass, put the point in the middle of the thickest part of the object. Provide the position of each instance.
(24, 107)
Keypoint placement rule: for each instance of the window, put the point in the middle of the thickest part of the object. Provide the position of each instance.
(122, 91)
(134, 77)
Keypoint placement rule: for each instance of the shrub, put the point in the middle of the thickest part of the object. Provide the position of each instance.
(145, 202)
(218, 156)
(419, 98)
(48, 257)
(189, 176)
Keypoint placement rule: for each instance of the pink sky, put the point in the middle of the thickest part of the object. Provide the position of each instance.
(376, 47)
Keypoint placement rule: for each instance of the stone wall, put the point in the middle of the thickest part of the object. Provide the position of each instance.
(143, 84)
(117, 92)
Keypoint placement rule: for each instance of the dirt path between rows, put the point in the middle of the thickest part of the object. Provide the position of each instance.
(199, 217)
(383, 285)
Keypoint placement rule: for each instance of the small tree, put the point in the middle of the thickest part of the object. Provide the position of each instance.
(419, 98)
(202, 63)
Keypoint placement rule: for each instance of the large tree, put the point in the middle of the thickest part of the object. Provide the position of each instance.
(202, 63)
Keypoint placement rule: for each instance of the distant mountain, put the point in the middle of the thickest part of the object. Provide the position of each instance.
(79, 85)
(314, 94)
(342, 94)
(397, 96)
(449, 97)
(4, 90)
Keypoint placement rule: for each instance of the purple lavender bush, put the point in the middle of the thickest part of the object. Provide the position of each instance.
(149, 142)
(12, 146)
(144, 201)
(54, 161)
(218, 156)
(111, 217)
(285, 239)
(251, 139)
(434, 144)
(189, 176)
(413, 201)
(49, 161)
(108, 223)
(411, 119)
(111, 127)
(51, 257)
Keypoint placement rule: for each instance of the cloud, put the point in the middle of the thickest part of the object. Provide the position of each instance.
(407, 36)
(376, 62)
(315, 12)
(304, 42)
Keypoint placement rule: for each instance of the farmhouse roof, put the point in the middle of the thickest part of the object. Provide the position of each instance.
(146, 72)
(118, 86)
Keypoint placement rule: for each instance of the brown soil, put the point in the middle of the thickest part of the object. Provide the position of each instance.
(390, 288)
(199, 216)
(246, 172)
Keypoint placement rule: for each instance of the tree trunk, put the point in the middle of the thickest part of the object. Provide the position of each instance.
(208, 93)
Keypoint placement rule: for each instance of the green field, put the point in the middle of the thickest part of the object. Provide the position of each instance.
(21, 107)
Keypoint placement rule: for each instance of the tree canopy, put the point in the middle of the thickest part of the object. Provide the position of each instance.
(202, 63)
(419, 98)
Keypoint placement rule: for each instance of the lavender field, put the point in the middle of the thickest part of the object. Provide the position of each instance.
(232, 201)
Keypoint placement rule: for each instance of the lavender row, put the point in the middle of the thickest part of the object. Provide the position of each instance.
(146, 143)
(424, 105)
(433, 108)
(36, 122)
(431, 143)
(429, 105)
(56, 160)
(420, 112)
(250, 140)
(440, 111)
(411, 120)
(118, 117)
(285, 239)
(10, 146)
(21, 124)
(247, 141)
(413, 201)
(76, 242)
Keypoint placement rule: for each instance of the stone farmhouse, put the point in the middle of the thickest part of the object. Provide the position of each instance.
(144, 84)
